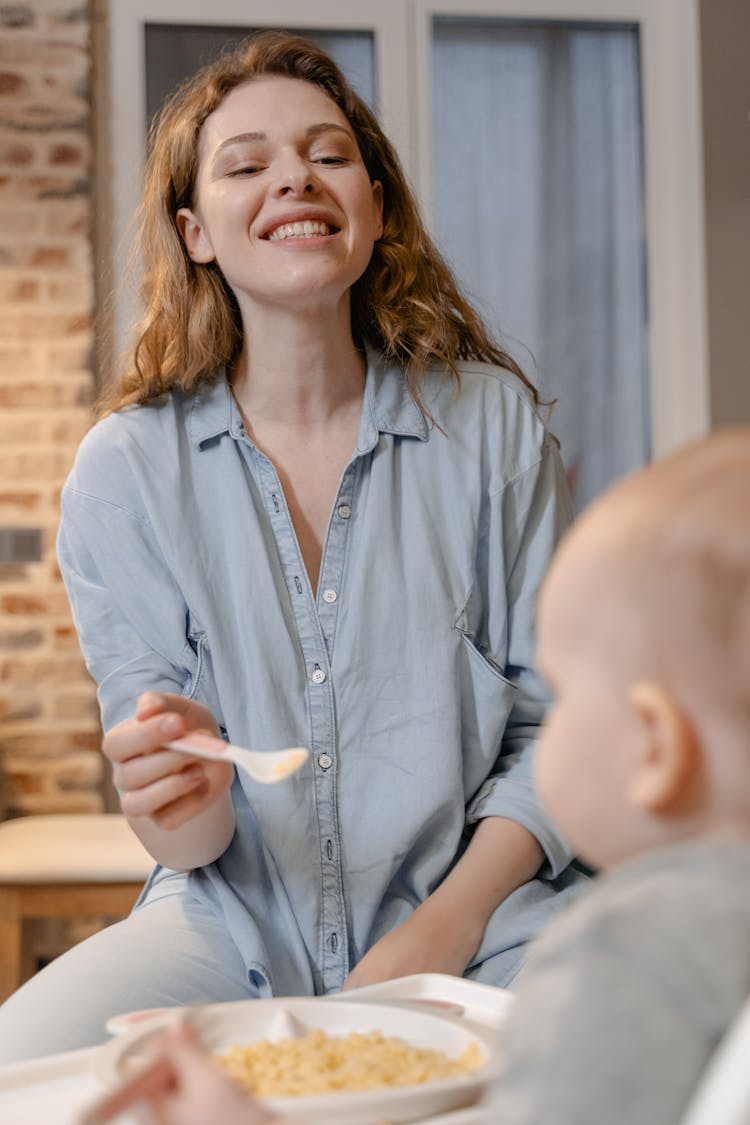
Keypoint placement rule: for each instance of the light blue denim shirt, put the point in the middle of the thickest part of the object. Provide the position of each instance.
(409, 675)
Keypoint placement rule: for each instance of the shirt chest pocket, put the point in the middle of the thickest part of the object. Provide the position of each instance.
(486, 700)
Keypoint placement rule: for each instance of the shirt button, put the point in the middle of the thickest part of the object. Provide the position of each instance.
(329, 596)
(325, 761)
(344, 511)
(318, 676)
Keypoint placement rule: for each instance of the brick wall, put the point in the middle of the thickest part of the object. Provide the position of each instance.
(49, 733)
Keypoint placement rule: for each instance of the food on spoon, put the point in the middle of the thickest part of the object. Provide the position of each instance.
(291, 762)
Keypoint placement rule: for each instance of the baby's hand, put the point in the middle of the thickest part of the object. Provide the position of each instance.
(162, 784)
(199, 1093)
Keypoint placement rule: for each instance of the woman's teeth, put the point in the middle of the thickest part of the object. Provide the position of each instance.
(307, 228)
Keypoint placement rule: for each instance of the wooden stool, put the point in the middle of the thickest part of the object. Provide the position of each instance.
(66, 866)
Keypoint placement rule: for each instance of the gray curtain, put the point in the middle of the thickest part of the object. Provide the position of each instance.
(538, 205)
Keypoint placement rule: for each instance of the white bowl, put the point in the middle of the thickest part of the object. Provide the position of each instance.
(220, 1026)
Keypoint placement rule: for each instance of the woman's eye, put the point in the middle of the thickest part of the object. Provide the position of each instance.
(330, 160)
(245, 170)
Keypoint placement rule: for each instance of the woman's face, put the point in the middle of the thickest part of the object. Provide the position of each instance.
(283, 201)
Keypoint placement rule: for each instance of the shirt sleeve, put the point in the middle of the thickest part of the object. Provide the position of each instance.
(526, 519)
(130, 616)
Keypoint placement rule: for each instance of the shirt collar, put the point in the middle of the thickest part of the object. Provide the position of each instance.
(389, 407)
(213, 412)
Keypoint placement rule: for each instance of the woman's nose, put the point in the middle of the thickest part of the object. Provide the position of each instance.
(296, 178)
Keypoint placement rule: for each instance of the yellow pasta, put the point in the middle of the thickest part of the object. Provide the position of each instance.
(320, 1064)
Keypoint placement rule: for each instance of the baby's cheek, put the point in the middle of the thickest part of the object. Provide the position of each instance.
(555, 773)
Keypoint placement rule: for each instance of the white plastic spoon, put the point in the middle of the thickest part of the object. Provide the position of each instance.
(266, 766)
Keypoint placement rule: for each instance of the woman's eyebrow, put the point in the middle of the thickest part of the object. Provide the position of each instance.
(239, 139)
(313, 131)
(326, 127)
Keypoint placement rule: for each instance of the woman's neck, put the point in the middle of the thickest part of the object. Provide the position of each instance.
(295, 370)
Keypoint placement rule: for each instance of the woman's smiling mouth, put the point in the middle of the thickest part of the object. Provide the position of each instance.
(305, 228)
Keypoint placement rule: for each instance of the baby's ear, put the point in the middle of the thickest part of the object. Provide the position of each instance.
(668, 761)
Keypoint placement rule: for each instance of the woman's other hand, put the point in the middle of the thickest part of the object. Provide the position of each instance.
(444, 933)
(163, 785)
(431, 940)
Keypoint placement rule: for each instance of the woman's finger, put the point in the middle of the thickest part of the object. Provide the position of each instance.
(179, 812)
(152, 703)
(152, 799)
(145, 769)
(134, 736)
(155, 702)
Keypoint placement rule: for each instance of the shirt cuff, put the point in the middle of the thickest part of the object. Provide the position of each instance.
(513, 800)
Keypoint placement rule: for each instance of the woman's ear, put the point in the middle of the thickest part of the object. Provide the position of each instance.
(669, 761)
(197, 242)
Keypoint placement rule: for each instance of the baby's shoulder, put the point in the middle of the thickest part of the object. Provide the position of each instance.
(685, 898)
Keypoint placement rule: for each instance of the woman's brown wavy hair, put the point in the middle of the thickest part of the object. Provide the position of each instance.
(407, 303)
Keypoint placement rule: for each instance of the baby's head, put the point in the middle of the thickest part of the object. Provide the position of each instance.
(644, 638)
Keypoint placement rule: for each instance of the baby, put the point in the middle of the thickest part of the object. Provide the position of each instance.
(644, 637)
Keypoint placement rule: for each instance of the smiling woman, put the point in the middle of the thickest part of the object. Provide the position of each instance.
(258, 194)
(316, 512)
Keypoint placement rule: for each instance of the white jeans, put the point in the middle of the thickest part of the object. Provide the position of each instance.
(171, 951)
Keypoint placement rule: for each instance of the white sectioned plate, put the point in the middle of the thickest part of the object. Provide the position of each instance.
(483, 1004)
(126, 1021)
(243, 1022)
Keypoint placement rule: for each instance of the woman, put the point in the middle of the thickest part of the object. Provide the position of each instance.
(317, 513)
